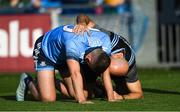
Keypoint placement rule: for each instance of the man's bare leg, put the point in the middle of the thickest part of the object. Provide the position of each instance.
(46, 85)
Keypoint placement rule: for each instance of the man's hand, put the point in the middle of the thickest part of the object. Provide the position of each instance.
(80, 28)
(83, 24)
(117, 96)
(118, 55)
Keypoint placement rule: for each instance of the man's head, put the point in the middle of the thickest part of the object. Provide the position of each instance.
(118, 67)
(97, 59)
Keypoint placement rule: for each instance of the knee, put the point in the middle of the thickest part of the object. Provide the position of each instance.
(46, 98)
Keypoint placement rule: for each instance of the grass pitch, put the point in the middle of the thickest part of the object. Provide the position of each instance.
(161, 93)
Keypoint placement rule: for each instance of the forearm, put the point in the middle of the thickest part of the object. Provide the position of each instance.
(77, 81)
(108, 86)
(135, 90)
(78, 87)
(133, 96)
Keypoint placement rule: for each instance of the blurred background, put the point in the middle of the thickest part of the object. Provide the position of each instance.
(151, 26)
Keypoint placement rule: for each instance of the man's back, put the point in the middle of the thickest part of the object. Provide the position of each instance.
(77, 44)
(52, 45)
(61, 43)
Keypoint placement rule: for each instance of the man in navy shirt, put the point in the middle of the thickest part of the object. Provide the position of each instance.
(127, 84)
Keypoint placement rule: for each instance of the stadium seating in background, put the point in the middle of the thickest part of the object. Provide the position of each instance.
(19, 6)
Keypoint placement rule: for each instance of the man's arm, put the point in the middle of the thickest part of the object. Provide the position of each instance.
(77, 80)
(135, 90)
(108, 85)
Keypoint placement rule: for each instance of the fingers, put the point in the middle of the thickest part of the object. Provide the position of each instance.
(117, 96)
(80, 29)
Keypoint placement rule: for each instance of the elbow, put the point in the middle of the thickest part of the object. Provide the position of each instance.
(140, 95)
(135, 95)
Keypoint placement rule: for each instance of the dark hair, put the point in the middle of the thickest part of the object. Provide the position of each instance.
(101, 60)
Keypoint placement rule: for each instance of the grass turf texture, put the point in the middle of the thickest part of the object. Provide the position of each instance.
(161, 91)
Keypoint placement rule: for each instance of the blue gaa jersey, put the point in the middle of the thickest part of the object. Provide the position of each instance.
(77, 44)
(61, 44)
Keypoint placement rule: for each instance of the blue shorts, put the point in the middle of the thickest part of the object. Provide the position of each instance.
(40, 62)
(43, 63)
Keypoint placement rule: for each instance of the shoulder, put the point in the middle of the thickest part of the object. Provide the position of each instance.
(68, 28)
(68, 34)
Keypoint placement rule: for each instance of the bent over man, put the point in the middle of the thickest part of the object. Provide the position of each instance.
(59, 48)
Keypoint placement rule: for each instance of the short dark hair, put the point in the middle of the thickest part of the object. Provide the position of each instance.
(101, 60)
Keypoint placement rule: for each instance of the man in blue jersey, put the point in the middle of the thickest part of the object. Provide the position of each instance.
(59, 48)
(127, 84)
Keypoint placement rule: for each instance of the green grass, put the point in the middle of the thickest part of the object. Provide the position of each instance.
(161, 93)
